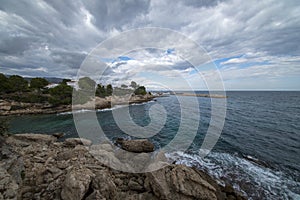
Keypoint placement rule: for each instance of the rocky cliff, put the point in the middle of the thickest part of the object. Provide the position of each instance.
(34, 166)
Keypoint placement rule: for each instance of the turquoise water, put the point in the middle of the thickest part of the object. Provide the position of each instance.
(261, 126)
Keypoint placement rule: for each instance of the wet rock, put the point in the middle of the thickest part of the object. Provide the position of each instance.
(136, 146)
(58, 135)
(76, 184)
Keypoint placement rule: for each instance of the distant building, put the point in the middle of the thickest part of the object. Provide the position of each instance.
(52, 85)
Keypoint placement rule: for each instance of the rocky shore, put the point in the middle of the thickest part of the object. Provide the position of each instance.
(37, 166)
(21, 108)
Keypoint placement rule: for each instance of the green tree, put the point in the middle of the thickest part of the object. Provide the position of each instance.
(38, 83)
(4, 84)
(18, 83)
(65, 81)
(133, 84)
(86, 83)
(61, 94)
(100, 91)
(141, 90)
(109, 90)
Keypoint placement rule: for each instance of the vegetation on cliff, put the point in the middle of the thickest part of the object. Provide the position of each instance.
(17, 88)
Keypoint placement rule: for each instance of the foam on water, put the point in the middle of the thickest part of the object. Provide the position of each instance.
(253, 180)
(74, 111)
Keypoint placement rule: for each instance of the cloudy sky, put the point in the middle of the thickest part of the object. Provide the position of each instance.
(253, 44)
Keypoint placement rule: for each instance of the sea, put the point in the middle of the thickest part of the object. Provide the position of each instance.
(258, 151)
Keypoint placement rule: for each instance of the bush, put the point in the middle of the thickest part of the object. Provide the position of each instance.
(38, 83)
(4, 84)
(61, 94)
(141, 90)
(17, 84)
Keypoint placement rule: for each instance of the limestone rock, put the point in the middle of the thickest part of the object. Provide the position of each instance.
(41, 138)
(103, 182)
(136, 146)
(179, 182)
(77, 141)
(76, 184)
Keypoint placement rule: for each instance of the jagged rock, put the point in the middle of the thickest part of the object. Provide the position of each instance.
(5, 105)
(95, 196)
(8, 186)
(109, 159)
(136, 146)
(41, 138)
(134, 185)
(179, 182)
(103, 182)
(58, 135)
(53, 171)
(76, 184)
(77, 141)
(106, 147)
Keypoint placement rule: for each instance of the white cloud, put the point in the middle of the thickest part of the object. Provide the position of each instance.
(55, 36)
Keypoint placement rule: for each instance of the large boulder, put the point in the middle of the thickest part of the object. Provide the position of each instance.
(136, 146)
(104, 184)
(179, 182)
(76, 184)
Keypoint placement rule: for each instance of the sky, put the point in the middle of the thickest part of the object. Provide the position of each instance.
(254, 45)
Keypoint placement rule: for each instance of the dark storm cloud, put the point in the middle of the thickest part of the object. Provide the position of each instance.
(55, 36)
(115, 14)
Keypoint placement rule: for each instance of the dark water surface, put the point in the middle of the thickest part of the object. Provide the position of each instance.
(258, 151)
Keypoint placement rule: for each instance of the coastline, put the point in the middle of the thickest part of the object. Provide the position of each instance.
(8, 108)
(200, 95)
(38, 166)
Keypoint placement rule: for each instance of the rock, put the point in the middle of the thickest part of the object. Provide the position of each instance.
(8, 186)
(105, 147)
(136, 146)
(96, 195)
(140, 162)
(40, 138)
(58, 135)
(5, 105)
(77, 141)
(179, 182)
(11, 161)
(60, 172)
(109, 159)
(103, 182)
(76, 184)
(134, 185)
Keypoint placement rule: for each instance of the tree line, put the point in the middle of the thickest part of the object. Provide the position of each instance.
(35, 91)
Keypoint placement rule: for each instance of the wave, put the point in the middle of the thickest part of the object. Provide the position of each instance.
(104, 109)
(75, 111)
(143, 103)
(253, 180)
